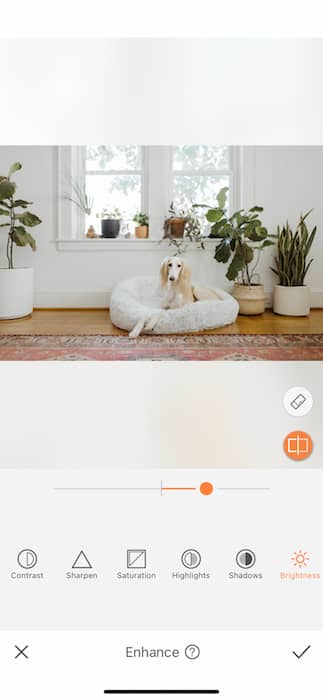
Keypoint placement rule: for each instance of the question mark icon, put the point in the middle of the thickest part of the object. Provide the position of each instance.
(192, 651)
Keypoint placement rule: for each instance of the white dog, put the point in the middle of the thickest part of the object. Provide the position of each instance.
(176, 288)
(175, 277)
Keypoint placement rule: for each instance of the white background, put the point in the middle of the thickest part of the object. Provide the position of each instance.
(156, 414)
(124, 18)
(249, 91)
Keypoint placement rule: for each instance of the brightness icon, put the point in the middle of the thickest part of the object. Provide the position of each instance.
(300, 558)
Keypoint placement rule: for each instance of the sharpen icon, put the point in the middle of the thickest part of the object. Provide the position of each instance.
(81, 561)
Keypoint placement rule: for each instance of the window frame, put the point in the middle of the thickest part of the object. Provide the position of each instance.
(141, 172)
(157, 162)
(231, 172)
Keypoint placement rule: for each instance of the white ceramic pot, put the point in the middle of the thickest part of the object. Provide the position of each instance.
(292, 301)
(16, 292)
(251, 298)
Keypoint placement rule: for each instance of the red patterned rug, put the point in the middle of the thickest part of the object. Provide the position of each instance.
(189, 347)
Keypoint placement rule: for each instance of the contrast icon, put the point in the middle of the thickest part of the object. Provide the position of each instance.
(298, 401)
(246, 558)
(298, 445)
(191, 558)
(300, 559)
(136, 558)
(27, 559)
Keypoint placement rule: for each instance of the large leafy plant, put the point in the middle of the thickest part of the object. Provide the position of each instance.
(243, 237)
(18, 215)
(293, 249)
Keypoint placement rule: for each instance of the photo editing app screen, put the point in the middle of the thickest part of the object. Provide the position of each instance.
(161, 348)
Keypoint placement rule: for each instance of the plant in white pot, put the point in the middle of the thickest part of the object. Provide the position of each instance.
(16, 283)
(292, 295)
(243, 237)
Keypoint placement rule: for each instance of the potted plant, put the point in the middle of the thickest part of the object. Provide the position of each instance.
(16, 283)
(292, 295)
(80, 197)
(175, 223)
(243, 237)
(192, 233)
(142, 221)
(110, 223)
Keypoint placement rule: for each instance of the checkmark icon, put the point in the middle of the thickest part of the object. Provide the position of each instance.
(299, 656)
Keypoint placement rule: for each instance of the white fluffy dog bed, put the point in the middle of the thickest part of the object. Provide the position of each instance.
(137, 297)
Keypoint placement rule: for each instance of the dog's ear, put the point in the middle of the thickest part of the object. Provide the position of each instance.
(164, 271)
(186, 272)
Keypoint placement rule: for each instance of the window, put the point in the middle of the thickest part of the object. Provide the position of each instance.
(114, 180)
(135, 178)
(199, 172)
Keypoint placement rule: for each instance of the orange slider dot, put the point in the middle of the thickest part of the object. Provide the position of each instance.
(206, 488)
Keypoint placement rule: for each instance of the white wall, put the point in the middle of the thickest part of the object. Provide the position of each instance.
(285, 180)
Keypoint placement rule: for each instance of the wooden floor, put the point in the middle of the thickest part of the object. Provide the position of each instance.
(97, 322)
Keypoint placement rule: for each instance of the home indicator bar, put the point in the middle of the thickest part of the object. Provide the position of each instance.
(145, 691)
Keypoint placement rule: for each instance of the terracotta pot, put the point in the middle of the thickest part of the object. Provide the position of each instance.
(177, 226)
(292, 301)
(251, 298)
(141, 231)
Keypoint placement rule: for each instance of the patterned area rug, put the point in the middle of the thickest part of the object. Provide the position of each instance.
(188, 347)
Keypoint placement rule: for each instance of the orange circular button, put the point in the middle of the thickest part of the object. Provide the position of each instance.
(298, 445)
(206, 488)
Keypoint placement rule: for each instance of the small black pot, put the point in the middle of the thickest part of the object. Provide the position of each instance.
(110, 228)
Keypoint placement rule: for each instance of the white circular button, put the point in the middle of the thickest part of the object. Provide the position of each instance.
(298, 401)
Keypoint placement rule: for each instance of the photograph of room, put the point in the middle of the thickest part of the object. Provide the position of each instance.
(185, 252)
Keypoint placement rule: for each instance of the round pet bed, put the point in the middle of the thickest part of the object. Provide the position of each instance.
(140, 297)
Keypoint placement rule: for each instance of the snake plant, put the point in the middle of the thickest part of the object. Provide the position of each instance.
(292, 262)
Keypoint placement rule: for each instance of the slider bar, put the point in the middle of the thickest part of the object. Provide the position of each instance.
(162, 692)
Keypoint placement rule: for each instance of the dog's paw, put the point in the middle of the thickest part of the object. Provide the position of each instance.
(150, 326)
(134, 333)
(151, 323)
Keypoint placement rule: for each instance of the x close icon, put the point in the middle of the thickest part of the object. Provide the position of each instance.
(21, 652)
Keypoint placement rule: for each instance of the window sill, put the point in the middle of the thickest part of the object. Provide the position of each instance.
(137, 245)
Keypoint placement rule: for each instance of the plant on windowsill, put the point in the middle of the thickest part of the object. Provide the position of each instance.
(192, 233)
(110, 223)
(292, 295)
(243, 238)
(16, 284)
(175, 223)
(142, 221)
(80, 197)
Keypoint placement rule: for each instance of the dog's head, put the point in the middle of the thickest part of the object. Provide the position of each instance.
(173, 269)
